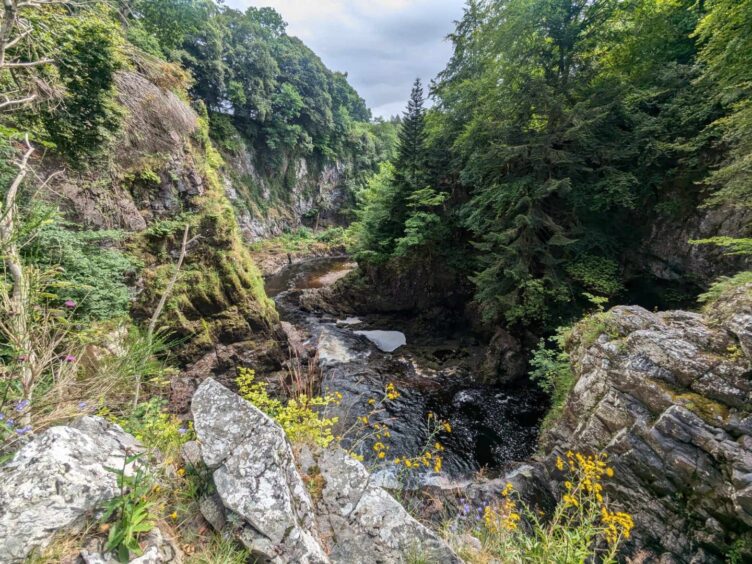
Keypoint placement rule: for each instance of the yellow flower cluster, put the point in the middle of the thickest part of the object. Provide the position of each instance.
(504, 516)
(300, 417)
(617, 525)
(391, 392)
(586, 487)
(431, 456)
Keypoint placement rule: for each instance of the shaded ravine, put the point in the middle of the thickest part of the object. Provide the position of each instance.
(492, 426)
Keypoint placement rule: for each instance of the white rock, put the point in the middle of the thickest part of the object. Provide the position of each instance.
(56, 480)
(256, 477)
(386, 341)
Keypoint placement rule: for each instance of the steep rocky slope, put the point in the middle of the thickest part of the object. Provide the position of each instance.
(163, 176)
(669, 397)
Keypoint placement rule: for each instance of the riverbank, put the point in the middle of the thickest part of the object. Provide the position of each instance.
(276, 253)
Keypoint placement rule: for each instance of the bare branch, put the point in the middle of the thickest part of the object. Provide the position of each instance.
(13, 42)
(18, 102)
(20, 65)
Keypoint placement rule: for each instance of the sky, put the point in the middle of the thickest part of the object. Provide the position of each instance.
(383, 45)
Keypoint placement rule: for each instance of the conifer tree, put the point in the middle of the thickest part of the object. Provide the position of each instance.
(411, 159)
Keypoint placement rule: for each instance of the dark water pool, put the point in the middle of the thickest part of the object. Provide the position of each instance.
(491, 426)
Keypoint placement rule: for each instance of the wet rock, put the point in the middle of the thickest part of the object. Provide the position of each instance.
(668, 396)
(57, 480)
(333, 349)
(505, 360)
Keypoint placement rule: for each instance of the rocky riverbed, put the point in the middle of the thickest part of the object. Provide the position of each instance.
(436, 375)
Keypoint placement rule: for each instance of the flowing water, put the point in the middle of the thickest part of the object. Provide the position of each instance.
(491, 426)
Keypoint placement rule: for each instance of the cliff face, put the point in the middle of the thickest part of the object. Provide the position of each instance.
(667, 253)
(163, 175)
(298, 192)
(669, 397)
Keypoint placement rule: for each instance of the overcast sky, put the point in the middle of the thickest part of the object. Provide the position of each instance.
(383, 45)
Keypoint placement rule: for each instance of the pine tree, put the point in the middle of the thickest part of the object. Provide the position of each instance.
(411, 159)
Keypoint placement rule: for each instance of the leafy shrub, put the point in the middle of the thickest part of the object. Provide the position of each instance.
(155, 428)
(93, 275)
(724, 286)
(597, 274)
(85, 122)
(130, 510)
(552, 370)
(300, 417)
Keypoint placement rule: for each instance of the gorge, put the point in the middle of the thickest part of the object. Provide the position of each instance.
(243, 320)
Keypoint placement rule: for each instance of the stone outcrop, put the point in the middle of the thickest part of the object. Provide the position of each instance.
(255, 476)
(313, 195)
(57, 480)
(267, 503)
(361, 521)
(669, 397)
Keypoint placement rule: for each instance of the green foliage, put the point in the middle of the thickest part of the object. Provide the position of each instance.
(93, 271)
(129, 511)
(725, 44)
(723, 287)
(399, 211)
(582, 528)
(551, 368)
(299, 417)
(731, 245)
(86, 120)
(741, 551)
(560, 128)
(221, 550)
(153, 426)
(597, 274)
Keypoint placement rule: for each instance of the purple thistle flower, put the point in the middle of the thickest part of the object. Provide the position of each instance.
(82, 405)
(23, 430)
(70, 358)
(182, 430)
(10, 422)
(70, 304)
(21, 405)
(2, 417)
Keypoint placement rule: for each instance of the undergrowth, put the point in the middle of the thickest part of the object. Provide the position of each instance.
(582, 528)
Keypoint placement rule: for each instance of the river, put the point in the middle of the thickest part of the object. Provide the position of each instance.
(491, 426)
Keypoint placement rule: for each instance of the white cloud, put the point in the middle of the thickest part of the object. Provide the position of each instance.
(383, 45)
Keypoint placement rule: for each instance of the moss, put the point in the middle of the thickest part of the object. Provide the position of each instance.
(219, 287)
(705, 408)
(593, 326)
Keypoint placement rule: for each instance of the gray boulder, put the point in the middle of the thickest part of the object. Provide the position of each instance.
(364, 522)
(256, 478)
(57, 480)
(269, 509)
(669, 397)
